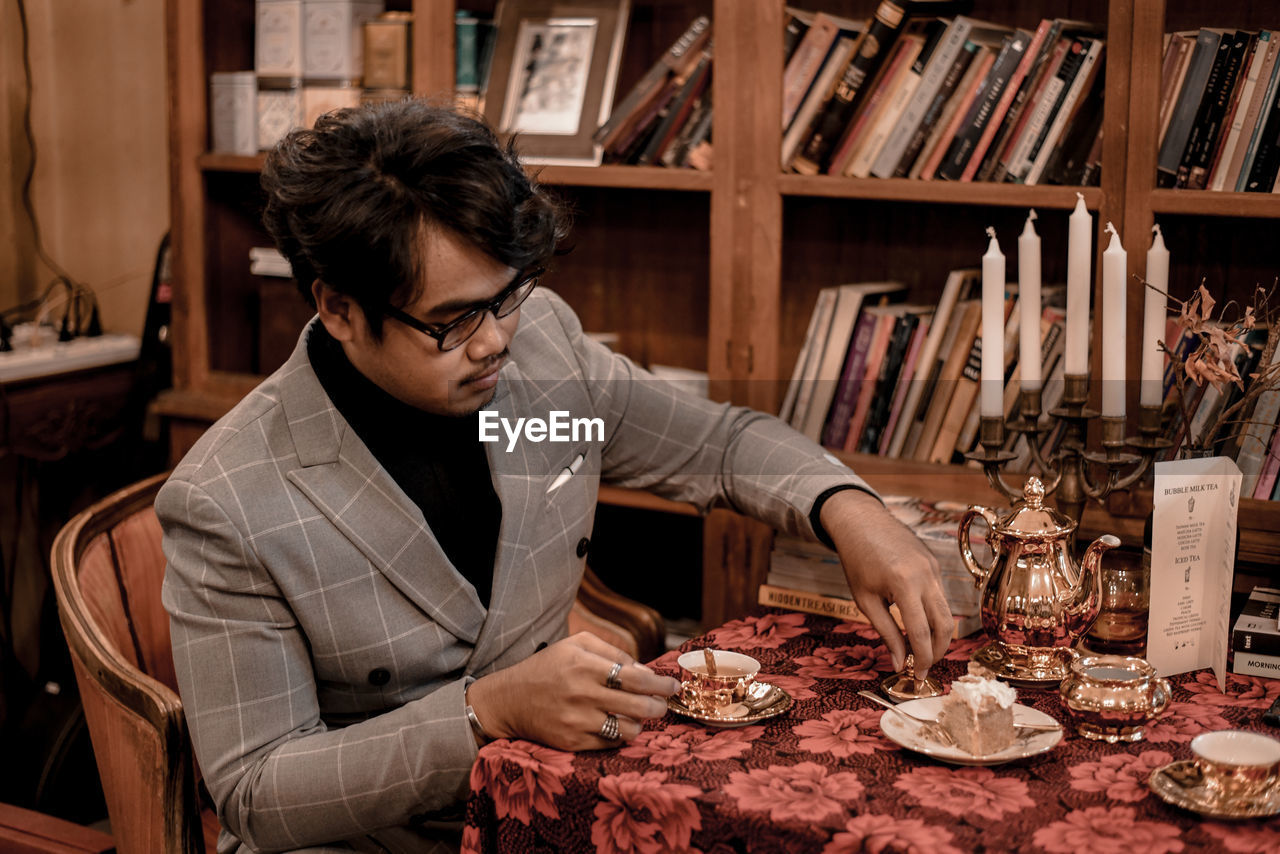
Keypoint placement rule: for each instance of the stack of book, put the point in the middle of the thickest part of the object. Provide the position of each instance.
(910, 95)
(1220, 111)
(665, 120)
(1255, 639)
(807, 576)
(880, 376)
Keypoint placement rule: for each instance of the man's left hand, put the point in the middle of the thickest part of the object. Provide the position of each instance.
(887, 564)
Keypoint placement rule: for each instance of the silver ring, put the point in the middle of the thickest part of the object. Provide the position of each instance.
(609, 729)
(612, 681)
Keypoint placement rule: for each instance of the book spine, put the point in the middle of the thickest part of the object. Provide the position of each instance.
(621, 114)
(881, 35)
(905, 382)
(885, 383)
(850, 382)
(1252, 128)
(1081, 84)
(1257, 433)
(1232, 150)
(1013, 118)
(1256, 664)
(1042, 115)
(964, 146)
(938, 69)
(677, 112)
(1175, 139)
(1267, 155)
(936, 107)
(1028, 56)
(1270, 468)
(804, 66)
(1213, 106)
(966, 93)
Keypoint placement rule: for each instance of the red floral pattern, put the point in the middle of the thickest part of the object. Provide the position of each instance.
(876, 833)
(644, 813)
(806, 792)
(768, 631)
(964, 791)
(1184, 721)
(1121, 776)
(1245, 838)
(1100, 830)
(1254, 692)
(523, 778)
(685, 743)
(843, 733)
(845, 662)
(822, 777)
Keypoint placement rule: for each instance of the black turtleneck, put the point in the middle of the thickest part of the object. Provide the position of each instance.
(437, 460)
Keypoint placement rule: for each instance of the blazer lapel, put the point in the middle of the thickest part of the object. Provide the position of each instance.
(347, 484)
(517, 476)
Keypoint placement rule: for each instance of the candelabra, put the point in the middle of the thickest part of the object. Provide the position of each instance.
(1069, 472)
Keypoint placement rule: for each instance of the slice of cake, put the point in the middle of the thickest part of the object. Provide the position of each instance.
(978, 714)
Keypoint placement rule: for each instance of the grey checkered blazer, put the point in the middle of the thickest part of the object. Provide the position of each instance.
(321, 637)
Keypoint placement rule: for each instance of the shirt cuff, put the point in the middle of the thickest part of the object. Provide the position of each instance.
(816, 512)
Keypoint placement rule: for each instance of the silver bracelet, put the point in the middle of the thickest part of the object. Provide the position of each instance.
(476, 726)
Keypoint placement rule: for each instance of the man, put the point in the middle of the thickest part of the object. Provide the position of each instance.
(361, 591)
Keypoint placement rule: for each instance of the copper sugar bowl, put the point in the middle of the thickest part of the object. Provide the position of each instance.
(1036, 600)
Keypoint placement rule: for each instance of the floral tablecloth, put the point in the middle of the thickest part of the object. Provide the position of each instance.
(822, 777)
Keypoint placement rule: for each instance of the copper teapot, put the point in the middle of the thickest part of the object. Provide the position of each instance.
(1036, 602)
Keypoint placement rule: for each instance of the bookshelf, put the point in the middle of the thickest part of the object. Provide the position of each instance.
(714, 271)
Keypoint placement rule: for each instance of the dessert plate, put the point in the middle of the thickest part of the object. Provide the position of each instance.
(1028, 742)
(753, 716)
(1181, 784)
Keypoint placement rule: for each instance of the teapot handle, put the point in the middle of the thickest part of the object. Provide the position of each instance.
(1161, 694)
(977, 570)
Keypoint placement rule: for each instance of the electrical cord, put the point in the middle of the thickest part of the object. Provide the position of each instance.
(80, 297)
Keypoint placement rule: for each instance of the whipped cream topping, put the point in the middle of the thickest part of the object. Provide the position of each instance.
(972, 689)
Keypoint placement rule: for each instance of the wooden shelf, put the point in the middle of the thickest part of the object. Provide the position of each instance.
(944, 192)
(620, 177)
(1208, 203)
(625, 177)
(214, 162)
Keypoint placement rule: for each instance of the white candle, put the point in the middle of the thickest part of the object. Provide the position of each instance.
(1079, 252)
(1155, 309)
(992, 390)
(1114, 271)
(1029, 300)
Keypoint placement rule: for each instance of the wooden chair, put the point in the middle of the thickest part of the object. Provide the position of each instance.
(107, 569)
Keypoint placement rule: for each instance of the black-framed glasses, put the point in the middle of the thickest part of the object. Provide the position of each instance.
(455, 333)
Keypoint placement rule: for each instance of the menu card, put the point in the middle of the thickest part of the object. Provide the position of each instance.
(1193, 538)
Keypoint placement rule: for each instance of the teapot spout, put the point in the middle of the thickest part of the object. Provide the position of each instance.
(1090, 590)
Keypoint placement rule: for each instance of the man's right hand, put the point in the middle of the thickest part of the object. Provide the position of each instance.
(558, 696)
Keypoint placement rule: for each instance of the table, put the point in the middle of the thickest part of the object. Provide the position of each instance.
(823, 778)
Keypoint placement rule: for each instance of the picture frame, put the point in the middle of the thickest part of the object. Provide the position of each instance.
(553, 75)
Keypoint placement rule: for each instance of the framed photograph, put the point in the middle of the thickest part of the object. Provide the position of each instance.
(555, 67)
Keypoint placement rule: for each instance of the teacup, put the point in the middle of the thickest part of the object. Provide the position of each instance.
(700, 691)
(1237, 764)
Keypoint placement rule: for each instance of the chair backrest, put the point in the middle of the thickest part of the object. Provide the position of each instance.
(107, 570)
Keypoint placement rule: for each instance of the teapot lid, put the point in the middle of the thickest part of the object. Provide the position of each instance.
(1030, 517)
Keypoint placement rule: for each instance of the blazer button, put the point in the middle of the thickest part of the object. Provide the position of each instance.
(379, 676)
(583, 545)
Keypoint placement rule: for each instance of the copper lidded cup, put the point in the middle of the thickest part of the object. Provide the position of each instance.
(1113, 698)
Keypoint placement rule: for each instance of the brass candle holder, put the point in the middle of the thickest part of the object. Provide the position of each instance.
(1073, 473)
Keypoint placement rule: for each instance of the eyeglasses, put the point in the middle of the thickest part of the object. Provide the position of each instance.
(456, 332)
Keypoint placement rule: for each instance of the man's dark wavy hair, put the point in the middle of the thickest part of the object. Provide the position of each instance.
(349, 201)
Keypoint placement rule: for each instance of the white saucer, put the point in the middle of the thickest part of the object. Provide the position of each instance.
(908, 735)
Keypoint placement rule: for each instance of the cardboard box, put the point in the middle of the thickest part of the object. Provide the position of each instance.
(333, 37)
(278, 38)
(233, 121)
